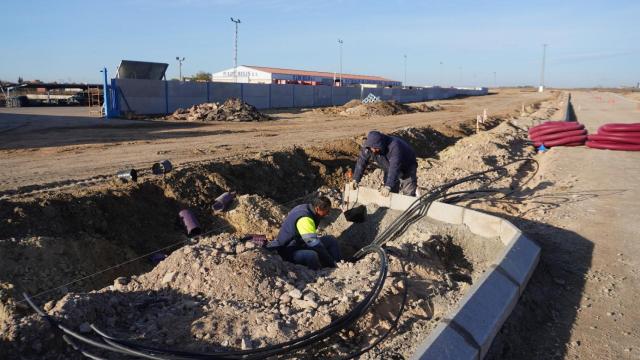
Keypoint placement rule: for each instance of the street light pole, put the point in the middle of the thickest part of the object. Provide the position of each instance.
(544, 55)
(405, 69)
(235, 52)
(180, 65)
(340, 42)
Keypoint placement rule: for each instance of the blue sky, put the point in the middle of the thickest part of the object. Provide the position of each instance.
(591, 43)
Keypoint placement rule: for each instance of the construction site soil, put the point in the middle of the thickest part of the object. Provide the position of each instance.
(214, 292)
(379, 108)
(231, 110)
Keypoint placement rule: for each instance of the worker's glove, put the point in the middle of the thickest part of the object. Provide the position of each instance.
(353, 184)
(385, 191)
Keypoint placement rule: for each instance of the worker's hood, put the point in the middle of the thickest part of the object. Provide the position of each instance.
(376, 139)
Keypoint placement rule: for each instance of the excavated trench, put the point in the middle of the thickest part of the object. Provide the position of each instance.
(49, 241)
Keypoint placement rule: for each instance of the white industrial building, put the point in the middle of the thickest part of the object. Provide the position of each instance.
(269, 75)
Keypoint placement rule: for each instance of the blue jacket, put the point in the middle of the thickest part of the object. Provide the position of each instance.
(398, 155)
(289, 239)
(288, 235)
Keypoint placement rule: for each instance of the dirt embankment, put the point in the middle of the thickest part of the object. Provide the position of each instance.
(116, 222)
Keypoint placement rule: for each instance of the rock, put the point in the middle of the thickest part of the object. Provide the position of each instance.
(246, 344)
(84, 328)
(310, 296)
(168, 277)
(304, 304)
(295, 294)
(240, 248)
(285, 298)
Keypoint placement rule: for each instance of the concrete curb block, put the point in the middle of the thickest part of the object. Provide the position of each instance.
(468, 331)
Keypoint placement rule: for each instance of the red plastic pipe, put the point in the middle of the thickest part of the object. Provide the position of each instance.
(617, 127)
(549, 125)
(558, 135)
(563, 141)
(556, 129)
(615, 139)
(612, 146)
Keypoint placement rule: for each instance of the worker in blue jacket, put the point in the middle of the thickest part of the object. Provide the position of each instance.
(298, 240)
(396, 158)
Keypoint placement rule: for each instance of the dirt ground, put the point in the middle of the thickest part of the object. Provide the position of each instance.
(578, 304)
(43, 147)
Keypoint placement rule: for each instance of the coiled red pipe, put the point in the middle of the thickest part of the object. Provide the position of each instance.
(563, 141)
(549, 129)
(615, 139)
(616, 136)
(558, 133)
(605, 145)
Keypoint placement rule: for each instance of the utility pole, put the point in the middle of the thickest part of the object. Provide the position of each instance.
(340, 46)
(235, 52)
(405, 70)
(180, 65)
(441, 74)
(544, 55)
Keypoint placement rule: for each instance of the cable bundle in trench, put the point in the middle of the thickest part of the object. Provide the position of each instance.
(417, 210)
(625, 137)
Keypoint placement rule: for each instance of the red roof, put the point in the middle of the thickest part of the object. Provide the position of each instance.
(316, 73)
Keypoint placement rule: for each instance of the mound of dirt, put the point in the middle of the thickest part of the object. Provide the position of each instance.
(426, 142)
(221, 294)
(253, 214)
(381, 108)
(422, 107)
(232, 109)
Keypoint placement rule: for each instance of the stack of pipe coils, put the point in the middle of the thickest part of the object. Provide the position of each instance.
(624, 137)
(558, 133)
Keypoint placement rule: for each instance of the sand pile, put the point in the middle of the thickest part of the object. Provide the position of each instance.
(381, 108)
(253, 214)
(231, 110)
(221, 293)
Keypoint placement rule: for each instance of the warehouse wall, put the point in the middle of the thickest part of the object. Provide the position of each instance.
(146, 97)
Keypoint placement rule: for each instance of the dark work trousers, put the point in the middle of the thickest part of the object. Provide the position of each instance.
(407, 181)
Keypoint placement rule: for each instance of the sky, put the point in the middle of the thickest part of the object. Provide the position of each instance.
(450, 43)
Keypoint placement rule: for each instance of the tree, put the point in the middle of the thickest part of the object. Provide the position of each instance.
(202, 76)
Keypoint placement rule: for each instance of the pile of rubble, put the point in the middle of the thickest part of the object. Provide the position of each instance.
(232, 109)
(221, 293)
(358, 108)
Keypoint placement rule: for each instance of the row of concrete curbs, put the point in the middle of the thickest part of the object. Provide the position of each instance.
(614, 136)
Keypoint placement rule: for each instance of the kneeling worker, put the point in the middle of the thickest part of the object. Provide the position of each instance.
(298, 241)
(396, 158)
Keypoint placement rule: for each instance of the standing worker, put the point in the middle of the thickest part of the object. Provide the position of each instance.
(396, 158)
(298, 241)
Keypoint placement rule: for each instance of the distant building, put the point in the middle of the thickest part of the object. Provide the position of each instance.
(269, 75)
